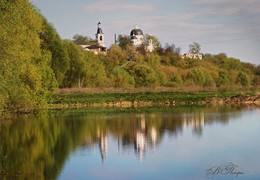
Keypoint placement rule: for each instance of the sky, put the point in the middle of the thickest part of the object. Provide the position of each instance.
(229, 26)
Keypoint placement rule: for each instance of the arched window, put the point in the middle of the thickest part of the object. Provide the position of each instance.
(100, 38)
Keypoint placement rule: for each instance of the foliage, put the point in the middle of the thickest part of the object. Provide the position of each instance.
(201, 78)
(114, 57)
(143, 75)
(161, 78)
(153, 61)
(52, 42)
(26, 77)
(243, 79)
(84, 40)
(209, 81)
(155, 41)
(80, 39)
(95, 74)
(121, 78)
(231, 63)
(197, 76)
(223, 79)
(34, 60)
(194, 48)
(177, 80)
(76, 71)
(124, 41)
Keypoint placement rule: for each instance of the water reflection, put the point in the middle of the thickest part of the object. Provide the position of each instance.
(37, 146)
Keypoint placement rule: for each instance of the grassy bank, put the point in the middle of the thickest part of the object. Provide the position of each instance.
(142, 98)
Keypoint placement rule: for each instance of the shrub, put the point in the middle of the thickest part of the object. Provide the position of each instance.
(197, 76)
(143, 75)
(121, 78)
(171, 84)
(243, 79)
(178, 80)
(223, 78)
(209, 81)
(161, 77)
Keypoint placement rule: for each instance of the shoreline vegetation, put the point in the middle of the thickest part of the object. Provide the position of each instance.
(141, 97)
(36, 61)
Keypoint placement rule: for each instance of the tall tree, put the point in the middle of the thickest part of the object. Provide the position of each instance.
(155, 41)
(124, 41)
(53, 43)
(25, 75)
(194, 48)
(80, 39)
(75, 74)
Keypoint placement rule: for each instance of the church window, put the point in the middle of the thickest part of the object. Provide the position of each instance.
(100, 38)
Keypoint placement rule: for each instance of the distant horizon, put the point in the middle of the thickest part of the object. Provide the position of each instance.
(219, 26)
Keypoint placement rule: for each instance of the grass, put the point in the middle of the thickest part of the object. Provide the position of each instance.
(144, 95)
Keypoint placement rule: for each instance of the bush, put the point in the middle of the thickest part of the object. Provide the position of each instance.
(121, 78)
(172, 84)
(243, 79)
(223, 78)
(161, 77)
(178, 80)
(143, 75)
(198, 77)
(209, 81)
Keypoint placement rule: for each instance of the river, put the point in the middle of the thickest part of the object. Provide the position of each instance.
(183, 142)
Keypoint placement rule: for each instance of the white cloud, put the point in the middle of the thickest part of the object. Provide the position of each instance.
(105, 6)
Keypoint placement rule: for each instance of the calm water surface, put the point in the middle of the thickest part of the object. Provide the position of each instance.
(168, 143)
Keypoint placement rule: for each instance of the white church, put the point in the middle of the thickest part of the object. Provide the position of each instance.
(136, 36)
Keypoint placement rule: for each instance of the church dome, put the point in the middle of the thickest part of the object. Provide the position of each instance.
(136, 31)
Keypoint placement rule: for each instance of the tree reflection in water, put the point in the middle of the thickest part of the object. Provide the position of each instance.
(37, 146)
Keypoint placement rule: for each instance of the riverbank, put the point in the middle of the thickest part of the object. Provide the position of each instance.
(115, 98)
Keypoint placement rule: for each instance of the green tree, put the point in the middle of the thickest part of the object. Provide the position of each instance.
(178, 80)
(155, 41)
(243, 79)
(115, 56)
(80, 39)
(231, 64)
(223, 78)
(143, 75)
(124, 41)
(52, 42)
(95, 74)
(76, 72)
(121, 78)
(209, 81)
(197, 76)
(161, 78)
(25, 74)
(172, 54)
(194, 48)
(153, 60)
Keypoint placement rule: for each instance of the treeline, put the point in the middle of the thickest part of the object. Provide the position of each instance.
(35, 61)
(127, 66)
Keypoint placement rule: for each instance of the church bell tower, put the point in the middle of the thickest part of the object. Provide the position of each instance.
(100, 36)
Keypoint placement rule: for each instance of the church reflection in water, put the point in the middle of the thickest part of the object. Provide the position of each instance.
(145, 131)
(39, 145)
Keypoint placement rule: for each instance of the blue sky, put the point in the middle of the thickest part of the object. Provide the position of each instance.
(230, 26)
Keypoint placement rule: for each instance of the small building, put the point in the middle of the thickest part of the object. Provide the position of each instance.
(100, 47)
(192, 56)
(94, 48)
